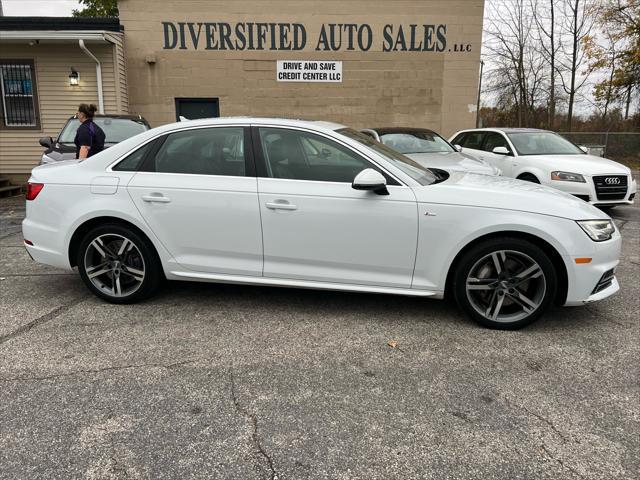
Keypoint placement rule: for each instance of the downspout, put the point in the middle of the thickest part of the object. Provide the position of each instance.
(98, 74)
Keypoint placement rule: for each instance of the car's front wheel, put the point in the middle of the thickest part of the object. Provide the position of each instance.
(505, 283)
(118, 264)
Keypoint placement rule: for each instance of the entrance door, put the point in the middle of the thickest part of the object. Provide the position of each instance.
(193, 108)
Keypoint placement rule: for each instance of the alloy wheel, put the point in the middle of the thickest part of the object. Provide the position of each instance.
(506, 286)
(114, 265)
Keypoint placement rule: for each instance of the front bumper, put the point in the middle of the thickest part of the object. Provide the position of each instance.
(587, 191)
(594, 281)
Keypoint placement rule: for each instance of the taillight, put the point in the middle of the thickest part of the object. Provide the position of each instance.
(33, 189)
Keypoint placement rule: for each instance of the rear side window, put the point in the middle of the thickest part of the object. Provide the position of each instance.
(203, 151)
(473, 140)
(133, 161)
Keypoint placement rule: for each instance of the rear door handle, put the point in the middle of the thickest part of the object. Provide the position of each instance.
(156, 198)
(281, 206)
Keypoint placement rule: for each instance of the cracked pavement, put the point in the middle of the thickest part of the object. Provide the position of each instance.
(219, 381)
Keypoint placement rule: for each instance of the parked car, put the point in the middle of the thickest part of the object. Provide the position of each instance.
(429, 149)
(303, 204)
(544, 157)
(116, 128)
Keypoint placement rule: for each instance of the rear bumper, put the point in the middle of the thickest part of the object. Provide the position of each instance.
(44, 249)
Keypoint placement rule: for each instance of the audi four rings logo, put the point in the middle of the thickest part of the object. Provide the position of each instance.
(612, 181)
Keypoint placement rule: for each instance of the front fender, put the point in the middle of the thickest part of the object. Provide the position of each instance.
(450, 228)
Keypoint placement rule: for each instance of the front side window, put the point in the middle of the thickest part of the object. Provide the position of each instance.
(542, 143)
(494, 140)
(17, 85)
(416, 142)
(115, 129)
(203, 151)
(298, 155)
(459, 139)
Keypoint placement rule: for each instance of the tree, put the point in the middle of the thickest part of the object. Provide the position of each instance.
(515, 75)
(544, 14)
(97, 8)
(579, 17)
(621, 18)
(604, 55)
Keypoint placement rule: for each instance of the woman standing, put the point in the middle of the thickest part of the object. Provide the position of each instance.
(89, 136)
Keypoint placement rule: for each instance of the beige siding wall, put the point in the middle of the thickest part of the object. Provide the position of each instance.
(428, 89)
(57, 101)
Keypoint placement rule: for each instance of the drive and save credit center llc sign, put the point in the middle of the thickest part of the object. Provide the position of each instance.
(309, 71)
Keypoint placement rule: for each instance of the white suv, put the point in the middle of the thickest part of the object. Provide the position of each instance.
(545, 157)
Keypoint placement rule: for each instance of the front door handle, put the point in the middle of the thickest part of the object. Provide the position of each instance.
(156, 198)
(281, 206)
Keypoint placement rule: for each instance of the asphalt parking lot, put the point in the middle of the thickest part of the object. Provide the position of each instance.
(214, 381)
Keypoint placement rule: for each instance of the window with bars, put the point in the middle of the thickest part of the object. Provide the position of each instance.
(18, 89)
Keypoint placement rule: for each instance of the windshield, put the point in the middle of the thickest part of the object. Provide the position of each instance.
(542, 143)
(115, 129)
(416, 142)
(420, 174)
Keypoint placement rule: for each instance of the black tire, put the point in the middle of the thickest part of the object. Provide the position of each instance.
(144, 255)
(471, 291)
(529, 177)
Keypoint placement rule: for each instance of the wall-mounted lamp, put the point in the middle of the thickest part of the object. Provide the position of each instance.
(74, 78)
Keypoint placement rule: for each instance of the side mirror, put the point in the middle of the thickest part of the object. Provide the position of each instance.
(500, 151)
(583, 148)
(457, 147)
(46, 142)
(370, 179)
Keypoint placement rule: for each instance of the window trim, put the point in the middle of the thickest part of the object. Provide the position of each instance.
(34, 88)
(261, 163)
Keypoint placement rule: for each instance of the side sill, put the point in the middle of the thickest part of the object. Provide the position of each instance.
(289, 283)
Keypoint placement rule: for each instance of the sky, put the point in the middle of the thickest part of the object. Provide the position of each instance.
(40, 8)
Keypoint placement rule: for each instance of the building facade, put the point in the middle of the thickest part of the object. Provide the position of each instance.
(362, 63)
(37, 58)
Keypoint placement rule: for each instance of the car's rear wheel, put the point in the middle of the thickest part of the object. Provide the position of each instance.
(505, 283)
(118, 264)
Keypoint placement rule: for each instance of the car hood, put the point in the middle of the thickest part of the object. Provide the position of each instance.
(584, 164)
(507, 194)
(453, 161)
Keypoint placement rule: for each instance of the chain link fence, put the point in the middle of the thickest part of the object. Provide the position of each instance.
(620, 146)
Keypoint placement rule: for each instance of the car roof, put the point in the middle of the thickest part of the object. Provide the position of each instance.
(504, 130)
(283, 122)
(386, 130)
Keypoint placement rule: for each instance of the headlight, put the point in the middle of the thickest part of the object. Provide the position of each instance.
(567, 177)
(598, 230)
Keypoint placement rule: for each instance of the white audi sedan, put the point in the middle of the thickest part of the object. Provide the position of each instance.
(314, 205)
(545, 157)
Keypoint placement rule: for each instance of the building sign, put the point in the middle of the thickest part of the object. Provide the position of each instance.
(309, 71)
(331, 37)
